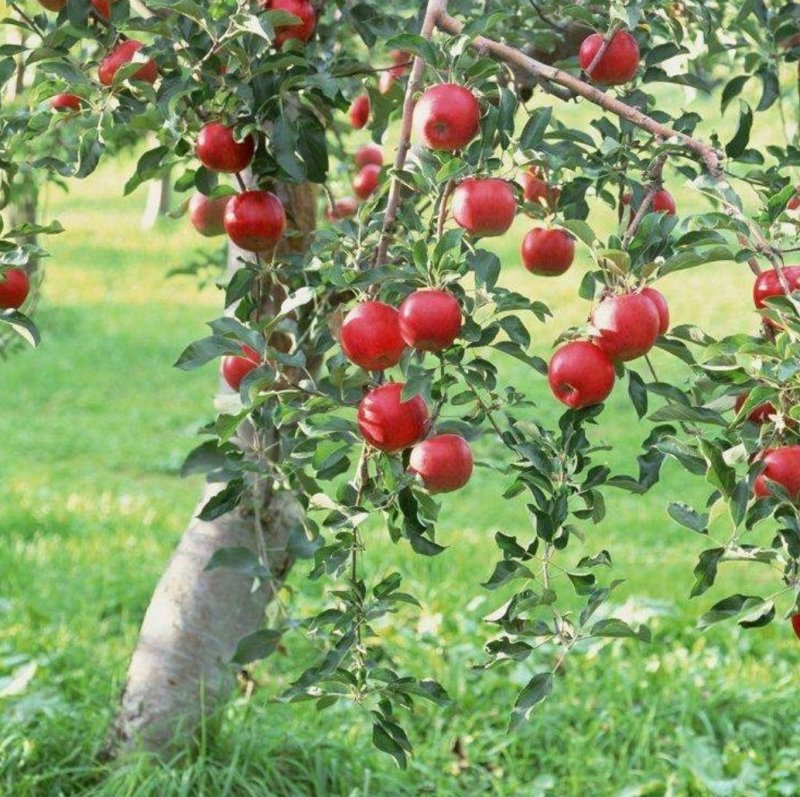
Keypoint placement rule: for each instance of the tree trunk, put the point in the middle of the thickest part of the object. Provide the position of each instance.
(181, 668)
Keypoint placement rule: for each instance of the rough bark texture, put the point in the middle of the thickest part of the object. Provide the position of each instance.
(180, 670)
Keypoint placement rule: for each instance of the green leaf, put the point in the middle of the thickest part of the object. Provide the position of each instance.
(22, 325)
(534, 130)
(619, 629)
(688, 518)
(505, 571)
(256, 646)
(734, 606)
(737, 145)
(240, 559)
(535, 691)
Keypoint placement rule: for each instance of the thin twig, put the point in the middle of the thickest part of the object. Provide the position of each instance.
(652, 189)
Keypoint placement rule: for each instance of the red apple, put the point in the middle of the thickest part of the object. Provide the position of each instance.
(53, 5)
(208, 215)
(484, 206)
(793, 204)
(662, 308)
(663, 202)
(366, 181)
(370, 336)
(444, 463)
(782, 466)
(255, 220)
(359, 111)
(302, 30)
(65, 102)
(447, 116)
(430, 320)
(14, 288)
(235, 368)
(369, 154)
(627, 326)
(389, 424)
(103, 8)
(760, 414)
(402, 61)
(536, 189)
(795, 620)
(619, 62)
(580, 374)
(123, 54)
(767, 284)
(218, 149)
(343, 208)
(548, 251)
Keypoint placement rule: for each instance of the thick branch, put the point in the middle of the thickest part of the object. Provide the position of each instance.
(540, 71)
(435, 10)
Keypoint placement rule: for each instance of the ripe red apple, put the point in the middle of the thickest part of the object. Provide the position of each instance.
(627, 325)
(484, 206)
(370, 336)
(366, 181)
(795, 620)
(53, 5)
(663, 202)
(359, 111)
(302, 30)
(662, 308)
(580, 374)
(123, 54)
(103, 8)
(444, 463)
(760, 414)
(218, 149)
(236, 368)
(447, 116)
(782, 466)
(208, 215)
(65, 102)
(255, 220)
(548, 251)
(402, 60)
(619, 62)
(369, 154)
(430, 320)
(536, 189)
(343, 208)
(767, 284)
(14, 288)
(389, 424)
(793, 204)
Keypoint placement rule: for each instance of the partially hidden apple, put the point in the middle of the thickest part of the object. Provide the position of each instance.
(444, 462)
(782, 466)
(235, 368)
(208, 215)
(580, 374)
(343, 208)
(369, 154)
(121, 55)
(760, 414)
(388, 423)
(303, 30)
(359, 111)
(370, 336)
(795, 620)
(366, 181)
(662, 308)
(447, 117)
(548, 251)
(617, 64)
(430, 319)
(768, 284)
(53, 5)
(65, 102)
(536, 189)
(626, 326)
(255, 220)
(14, 288)
(484, 206)
(218, 150)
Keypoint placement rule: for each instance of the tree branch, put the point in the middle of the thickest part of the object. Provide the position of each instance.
(540, 71)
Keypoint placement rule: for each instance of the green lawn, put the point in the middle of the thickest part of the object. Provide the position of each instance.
(93, 430)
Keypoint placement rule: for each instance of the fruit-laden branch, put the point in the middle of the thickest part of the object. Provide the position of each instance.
(540, 71)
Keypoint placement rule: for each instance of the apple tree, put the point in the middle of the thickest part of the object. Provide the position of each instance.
(359, 357)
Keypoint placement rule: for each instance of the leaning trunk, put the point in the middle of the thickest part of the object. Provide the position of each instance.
(181, 669)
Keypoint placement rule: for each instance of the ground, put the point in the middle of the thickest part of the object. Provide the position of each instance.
(93, 430)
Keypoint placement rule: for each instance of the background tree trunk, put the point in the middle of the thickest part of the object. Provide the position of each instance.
(159, 193)
(181, 670)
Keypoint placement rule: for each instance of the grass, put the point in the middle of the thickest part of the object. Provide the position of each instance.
(94, 428)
